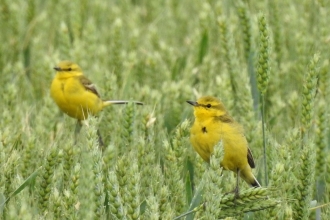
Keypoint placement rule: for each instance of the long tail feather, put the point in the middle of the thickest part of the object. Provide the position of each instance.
(116, 102)
(255, 183)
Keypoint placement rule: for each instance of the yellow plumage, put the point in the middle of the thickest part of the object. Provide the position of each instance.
(75, 94)
(213, 124)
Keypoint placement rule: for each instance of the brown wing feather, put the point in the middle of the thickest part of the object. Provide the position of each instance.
(225, 118)
(88, 85)
(250, 159)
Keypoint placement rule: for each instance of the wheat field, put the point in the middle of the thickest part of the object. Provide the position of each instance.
(268, 61)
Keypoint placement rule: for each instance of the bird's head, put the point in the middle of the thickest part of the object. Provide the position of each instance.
(208, 106)
(67, 66)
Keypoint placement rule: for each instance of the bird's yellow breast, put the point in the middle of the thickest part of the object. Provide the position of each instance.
(72, 97)
(205, 134)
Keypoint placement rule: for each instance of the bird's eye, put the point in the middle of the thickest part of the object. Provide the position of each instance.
(208, 106)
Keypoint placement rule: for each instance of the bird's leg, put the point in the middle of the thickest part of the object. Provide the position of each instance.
(77, 131)
(236, 190)
(101, 143)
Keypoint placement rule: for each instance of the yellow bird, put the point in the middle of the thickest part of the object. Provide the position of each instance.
(213, 124)
(75, 94)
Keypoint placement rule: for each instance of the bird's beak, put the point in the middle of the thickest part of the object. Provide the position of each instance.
(193, 103)
(57, 68)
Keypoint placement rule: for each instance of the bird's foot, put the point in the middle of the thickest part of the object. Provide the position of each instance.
(235, 192)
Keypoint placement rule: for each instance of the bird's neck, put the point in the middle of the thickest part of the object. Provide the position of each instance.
(206, 115)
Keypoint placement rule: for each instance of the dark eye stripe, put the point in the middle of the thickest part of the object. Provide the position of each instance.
(209, 106)
(202, 105)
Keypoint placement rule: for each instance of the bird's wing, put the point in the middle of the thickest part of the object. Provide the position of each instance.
(88, 85)
(225, 118)
(250, 159)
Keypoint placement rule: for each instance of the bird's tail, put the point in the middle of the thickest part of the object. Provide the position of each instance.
(248, 176)
(255, 183)
(111, 102)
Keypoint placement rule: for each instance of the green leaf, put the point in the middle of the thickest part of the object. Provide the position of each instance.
(189, 190)
(143, 207)
(20, 188)
(194, 205)
(203, 46)
(178, 67)
(198, 196)
(2, 202)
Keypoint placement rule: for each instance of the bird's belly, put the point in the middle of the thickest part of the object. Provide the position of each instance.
(235, 147)
(75, 102)
(204, 143)
(80, 106)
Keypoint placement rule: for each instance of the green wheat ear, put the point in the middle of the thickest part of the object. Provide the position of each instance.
(305, 176)
(116, 209)
(212, 189)
(173, 178)
(277, 29)
(163, 53)
(262, 79)
(128, 125)
(64, 41)
(320, 142)
(230, 54)
(263, 58)
(309, 91)
(46, 180)
(245, 22)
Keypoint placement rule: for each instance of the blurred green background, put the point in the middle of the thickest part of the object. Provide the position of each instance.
(164, 53)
